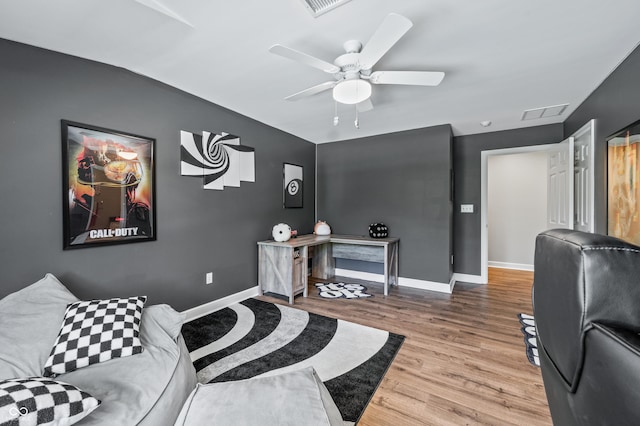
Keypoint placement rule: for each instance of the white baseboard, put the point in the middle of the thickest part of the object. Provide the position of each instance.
(216, 305)
(402, 281)
(466, 278)
(507, 265)
(427, 285)
(367, 276)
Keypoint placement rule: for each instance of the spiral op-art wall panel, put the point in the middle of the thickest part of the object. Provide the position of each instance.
(219, 159)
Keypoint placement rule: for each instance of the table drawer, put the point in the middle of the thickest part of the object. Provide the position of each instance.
(358, 252)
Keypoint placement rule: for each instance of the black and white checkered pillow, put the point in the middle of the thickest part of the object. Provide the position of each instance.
(38, 401)
(96, 331)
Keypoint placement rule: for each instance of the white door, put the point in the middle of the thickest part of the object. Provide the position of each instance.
(583, 178)
(560, 176)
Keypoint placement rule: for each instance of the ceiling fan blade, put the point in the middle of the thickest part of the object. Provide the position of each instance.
(415, 78)
(312, 91)
(289, 53)
(365, 105)
(388, 33)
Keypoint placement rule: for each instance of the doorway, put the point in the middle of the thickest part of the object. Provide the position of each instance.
(516, 207)
(582, 183)
(484, 231)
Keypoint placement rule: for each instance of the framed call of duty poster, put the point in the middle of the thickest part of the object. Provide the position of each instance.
(108, 187)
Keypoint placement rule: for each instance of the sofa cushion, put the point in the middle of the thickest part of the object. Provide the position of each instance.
(38, 400)
(30, 321)
(293, 398)
(95, 331)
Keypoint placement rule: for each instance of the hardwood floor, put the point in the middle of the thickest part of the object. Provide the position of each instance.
(463, 360)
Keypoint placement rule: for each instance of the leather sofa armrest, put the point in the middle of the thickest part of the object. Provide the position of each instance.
(625, 337)
(607, 391)
(581, 279)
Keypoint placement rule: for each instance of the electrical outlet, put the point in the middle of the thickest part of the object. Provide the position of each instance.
(209, 278)
(466, 208)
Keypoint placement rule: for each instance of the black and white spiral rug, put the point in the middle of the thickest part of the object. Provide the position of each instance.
(528, 328)
(255, 338)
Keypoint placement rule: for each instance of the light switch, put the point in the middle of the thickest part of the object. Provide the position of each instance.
(466, 208)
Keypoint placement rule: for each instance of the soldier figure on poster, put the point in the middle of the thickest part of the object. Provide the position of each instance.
(109, 187)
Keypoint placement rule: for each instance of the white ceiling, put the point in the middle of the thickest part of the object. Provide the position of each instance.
(500, 57)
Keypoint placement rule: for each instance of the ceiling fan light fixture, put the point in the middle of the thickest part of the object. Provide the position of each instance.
(352, 91)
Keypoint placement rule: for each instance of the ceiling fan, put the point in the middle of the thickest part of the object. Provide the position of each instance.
(352, 71)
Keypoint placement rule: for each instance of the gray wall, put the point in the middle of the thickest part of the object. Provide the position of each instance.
(198, 230)
(201, 231)
(467, 175)
(614, 104)
(401, 179)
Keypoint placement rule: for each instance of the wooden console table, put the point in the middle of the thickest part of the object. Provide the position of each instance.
(282, 266)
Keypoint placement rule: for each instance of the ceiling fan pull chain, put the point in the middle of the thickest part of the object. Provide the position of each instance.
(357, 122)
(336, 119)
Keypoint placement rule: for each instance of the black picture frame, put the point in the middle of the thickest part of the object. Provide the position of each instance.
(623, 186)
(293, 186)
(108, 188)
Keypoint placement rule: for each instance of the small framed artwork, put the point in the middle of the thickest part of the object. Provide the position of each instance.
(293, 186)
(108, 189)
(623, 188)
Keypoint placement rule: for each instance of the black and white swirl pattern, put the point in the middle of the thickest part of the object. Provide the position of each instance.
(530, 340)
(256, 338)
(219, 159)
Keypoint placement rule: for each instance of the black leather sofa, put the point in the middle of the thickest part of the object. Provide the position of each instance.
(586, 298)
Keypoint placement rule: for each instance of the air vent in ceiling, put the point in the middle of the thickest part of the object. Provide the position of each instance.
(544, 112)
(318, 7)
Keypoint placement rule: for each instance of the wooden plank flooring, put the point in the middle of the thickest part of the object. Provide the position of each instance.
(463, 360)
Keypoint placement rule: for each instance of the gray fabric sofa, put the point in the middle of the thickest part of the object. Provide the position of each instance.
(151, 388)
(146, 389)
(289, 399)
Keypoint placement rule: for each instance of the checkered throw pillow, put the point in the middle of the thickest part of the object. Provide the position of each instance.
(96, 331)
(40, 401)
